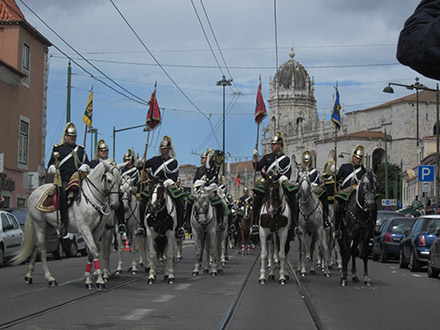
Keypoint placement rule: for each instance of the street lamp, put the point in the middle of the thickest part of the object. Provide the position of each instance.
(124, 129)
(224, 82)
(341, 155)
(418, 86)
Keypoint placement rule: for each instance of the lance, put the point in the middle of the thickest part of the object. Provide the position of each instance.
(336, 164)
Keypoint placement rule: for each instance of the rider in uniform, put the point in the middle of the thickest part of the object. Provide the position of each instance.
(129, 171)
(166, 167)
(328, 180)
(348, 177)
(201, 171)
(72, 158)
(315, 180)
(274, 163)
(101, 153)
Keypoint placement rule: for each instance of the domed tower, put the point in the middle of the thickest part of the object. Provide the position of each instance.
(292, 104)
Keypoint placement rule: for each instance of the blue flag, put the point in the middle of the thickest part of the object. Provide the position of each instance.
(336, 112)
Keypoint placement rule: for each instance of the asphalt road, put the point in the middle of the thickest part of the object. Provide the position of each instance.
(398, 299)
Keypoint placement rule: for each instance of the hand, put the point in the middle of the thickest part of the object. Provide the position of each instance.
(333, 169)
(51, 169)
(255, 154)
(84, 168)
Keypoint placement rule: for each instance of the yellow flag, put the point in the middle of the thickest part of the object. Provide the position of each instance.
(87, 118)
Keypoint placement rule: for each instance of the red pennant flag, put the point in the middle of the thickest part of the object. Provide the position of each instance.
(237, 179)
(260, 109)
(153, 115)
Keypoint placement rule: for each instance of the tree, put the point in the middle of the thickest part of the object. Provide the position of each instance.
(394, 186)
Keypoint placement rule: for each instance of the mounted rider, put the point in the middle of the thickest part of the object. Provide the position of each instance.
(165, 167)
(128, 172)
(71, 159)
(328, 180)
(101, 153)
(348, 178)
(209, 173)
(315, 180)
(274, 163)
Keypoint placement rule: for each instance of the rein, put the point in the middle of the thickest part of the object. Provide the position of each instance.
(105, 194)
(305, 200)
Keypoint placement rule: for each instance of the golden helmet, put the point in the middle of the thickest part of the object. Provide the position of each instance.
(102, 146)
(70, 130)
(358, 152)
(245, 189)
(307, 156)
(167, 144)
(129, 156)
(278, 138)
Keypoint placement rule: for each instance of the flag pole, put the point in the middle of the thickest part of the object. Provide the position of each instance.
(336, 166)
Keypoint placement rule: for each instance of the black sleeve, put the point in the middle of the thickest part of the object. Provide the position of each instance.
(52, 159)
(419, 41)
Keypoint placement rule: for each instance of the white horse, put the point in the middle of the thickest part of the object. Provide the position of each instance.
(204, 229)
(275, 218)
(310, 226)
(99, 195)
(161, 222)
(130, 203)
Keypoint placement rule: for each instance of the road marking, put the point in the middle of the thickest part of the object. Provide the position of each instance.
(183, 286)
(164, 298)
(137, 314)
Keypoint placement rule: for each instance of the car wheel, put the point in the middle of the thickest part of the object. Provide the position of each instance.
(383, 256)
(431, 272)
(58, 254)
(84, 252)
(2, 257)
(72, 249)
(414, 264)
(402, 263)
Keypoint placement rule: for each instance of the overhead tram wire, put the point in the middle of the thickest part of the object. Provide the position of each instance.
(160, 65)
(136, 98)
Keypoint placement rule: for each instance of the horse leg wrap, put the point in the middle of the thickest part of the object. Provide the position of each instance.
(96, 263)
(89, 267)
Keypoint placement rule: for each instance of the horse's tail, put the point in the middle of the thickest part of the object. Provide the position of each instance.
(30, 239)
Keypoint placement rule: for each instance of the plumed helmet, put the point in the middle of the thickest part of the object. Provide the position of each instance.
(245, 189)
(70, 130)
(358, 152)
(278, 138)
(102, 146)
(328, 167)
(129, 156)
(167, 144)
(307, 156)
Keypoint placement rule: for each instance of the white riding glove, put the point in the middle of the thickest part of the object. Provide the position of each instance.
(255, 154)
(333, 169)
(84, 168)
(51, 169)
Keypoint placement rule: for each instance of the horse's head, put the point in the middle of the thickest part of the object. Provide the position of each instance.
(111, 178)
(247, 208)
(272, 191)
(305, 184)
(127, 190)
(157, 195)
(201, 205)
(367, 191)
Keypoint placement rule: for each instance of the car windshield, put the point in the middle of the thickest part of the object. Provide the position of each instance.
(431, 225)
(382, 216)
(401, 225)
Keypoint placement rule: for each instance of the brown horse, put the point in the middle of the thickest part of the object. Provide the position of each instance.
(245, 226)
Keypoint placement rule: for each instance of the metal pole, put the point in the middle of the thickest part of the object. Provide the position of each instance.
(114, 141)
(69, 74)
(224, 128)
(386, 166)
(417, 119)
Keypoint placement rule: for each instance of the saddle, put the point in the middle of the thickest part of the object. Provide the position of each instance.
(344, 195)
(49, 201)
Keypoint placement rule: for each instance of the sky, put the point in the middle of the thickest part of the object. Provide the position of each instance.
(130, 45)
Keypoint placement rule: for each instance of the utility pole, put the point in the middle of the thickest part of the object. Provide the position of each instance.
(69, 75)
(386, 165)
(224, 82)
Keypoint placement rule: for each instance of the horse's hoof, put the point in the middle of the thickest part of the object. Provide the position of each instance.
(195, 274)
(271, 277)
(171, 280)
(206, 271)
(303, 274)
(339, 269)
(89, 286)
(118, 272)
(330, 267)
(355, 279)
(134, 272)
(282, 281)
(141, 264)
(262, 281)
(28, 280)
(287, 277)
(53, 284)
(165, 278)
(308, 259)
(223, 263)
(213, 274)
(100, 286)
(313, 272)
(179, 258)
(105, 279)
(220, 271)
(151, 280)
(367, 283)
(327, 275)
(343, 282)
(147, 270)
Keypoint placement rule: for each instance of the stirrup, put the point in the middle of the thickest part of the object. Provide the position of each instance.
(140, 232)
(122, 228)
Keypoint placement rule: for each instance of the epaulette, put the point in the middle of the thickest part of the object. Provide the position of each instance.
(57, 145)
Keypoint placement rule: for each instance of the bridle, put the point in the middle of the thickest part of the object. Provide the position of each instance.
(128, 196)
(304, 200)
(270, 196)
(201, 207)
(154, 210)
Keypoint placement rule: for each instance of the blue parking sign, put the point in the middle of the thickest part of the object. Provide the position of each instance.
(426, 173)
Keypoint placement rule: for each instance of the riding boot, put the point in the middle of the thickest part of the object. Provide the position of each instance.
(220, 215)
(63, 218)
(180, 231)
(141, 230)
(258, 199)
(120, 215)
(338, 219)
(324, 201)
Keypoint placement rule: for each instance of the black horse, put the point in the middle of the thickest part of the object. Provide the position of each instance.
(357, 226)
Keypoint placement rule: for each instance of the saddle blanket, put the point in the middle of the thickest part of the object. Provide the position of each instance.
(48, 202)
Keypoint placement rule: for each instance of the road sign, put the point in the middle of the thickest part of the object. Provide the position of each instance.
(426, 187)
(426, 173)
(389, 202)
(399, 205)
(389, 208)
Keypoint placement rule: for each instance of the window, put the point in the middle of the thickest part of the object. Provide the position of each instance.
(26, 57)
(23, 143)
(21, 202)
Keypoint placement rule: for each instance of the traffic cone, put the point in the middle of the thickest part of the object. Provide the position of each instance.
(127, 246)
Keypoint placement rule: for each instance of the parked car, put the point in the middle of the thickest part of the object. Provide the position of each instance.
(387, 244)
(415, 246)
(74, 243)
(53, 243)
(381, 217)
(11, 236)
(434, 257)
